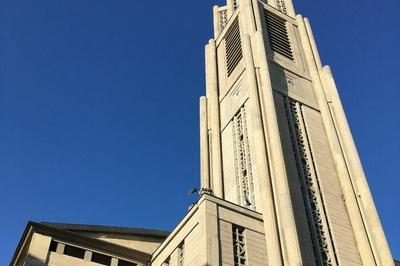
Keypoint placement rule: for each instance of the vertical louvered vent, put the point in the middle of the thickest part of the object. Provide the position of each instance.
(233, 47)
(278, 35)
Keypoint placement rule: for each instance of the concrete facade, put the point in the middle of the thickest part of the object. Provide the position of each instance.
(207, 237)
(281, 179)
(66, 245)
(287, 150)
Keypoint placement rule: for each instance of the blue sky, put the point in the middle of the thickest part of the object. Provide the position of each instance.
(99, 106)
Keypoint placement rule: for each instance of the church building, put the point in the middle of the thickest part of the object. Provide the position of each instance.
(281, 179)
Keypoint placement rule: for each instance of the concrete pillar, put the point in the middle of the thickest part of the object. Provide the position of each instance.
(373, 225)
(229, 5)
(290, 8)
(287, 227)
(347, 187)
(204, 152)
(353, 163)
(214, 119)
(38, 249)
(257, 15)
(60, 248)
(270, 220)
(210, 252)
(114, 262)
(88, 255)
(216, 21)
(247, 20)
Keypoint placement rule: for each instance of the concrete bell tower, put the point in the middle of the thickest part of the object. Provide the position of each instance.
(275, 139)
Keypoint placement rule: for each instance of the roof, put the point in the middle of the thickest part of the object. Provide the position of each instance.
(70, 233)
(109, 229)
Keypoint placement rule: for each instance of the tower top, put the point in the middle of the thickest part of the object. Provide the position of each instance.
(222, 14)
(284, 6)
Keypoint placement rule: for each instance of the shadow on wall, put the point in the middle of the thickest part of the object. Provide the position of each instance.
(33, 261)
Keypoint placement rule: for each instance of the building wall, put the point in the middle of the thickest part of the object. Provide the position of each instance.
(41, 249)
(282, 148)
(56, 259)
(145, 244)
(206, 232)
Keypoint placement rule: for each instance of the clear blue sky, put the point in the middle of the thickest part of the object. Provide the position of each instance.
(99, 106)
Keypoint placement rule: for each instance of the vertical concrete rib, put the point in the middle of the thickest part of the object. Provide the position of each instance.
(216, 22)
(256, 14)
(373, 225)
(287, 226)
(204, 153)
(248, 23)
(365, 201)
(348, 192)
(270, 221)
(214, 119)
(290, 8)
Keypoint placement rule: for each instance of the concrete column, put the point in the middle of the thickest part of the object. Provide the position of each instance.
(373, 225)
(210, 253)
(214, 119)
(60, 248)
(229, 5)
(216, 22)
(313, 44)
(290, 8)
(38, 249)
(257, 14)
(88, 255)
(287, 227)
(353, 163)
(204, 153)
(347, 188)
(247, 22)
(114, 262)
(270, 221)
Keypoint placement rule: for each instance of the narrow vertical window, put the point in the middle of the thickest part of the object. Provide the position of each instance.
(101, 258)
(312, 199)
(239, 246)
(181, 254)
(243, 166)
(53, 246)
(74, 251)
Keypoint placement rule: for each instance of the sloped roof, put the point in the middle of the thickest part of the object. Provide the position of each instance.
(74, 234)
(109, 229)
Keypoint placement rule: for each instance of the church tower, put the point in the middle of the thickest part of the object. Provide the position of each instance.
(275, 139)
(281, 180)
